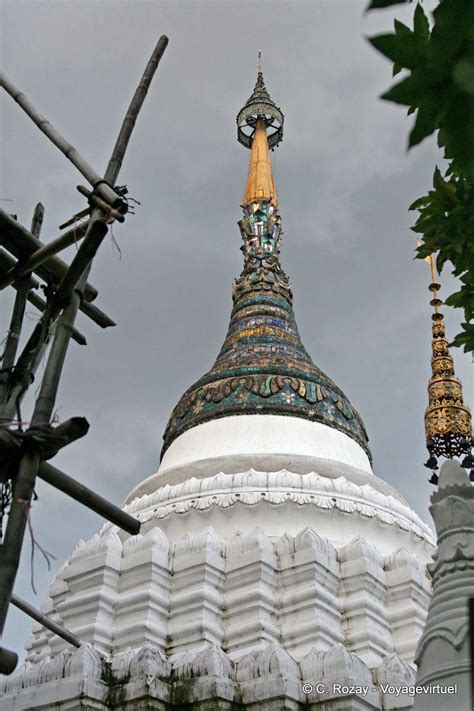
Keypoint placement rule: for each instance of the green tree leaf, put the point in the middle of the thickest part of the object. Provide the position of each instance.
(407, 92)
(421, 25)
(427, 118)
(419, 202)
(401, 29)
(439, 88)
(404, 49)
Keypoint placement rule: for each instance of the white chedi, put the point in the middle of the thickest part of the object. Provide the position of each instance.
(242, 587)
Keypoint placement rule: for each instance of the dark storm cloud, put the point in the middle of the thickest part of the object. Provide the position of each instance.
(344, 182)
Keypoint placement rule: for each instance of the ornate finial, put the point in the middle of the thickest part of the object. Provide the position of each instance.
(261, 224)
(448, 426)
(260, 106)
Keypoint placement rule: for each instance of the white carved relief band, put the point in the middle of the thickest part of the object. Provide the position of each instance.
(252, 487)
(76, 678)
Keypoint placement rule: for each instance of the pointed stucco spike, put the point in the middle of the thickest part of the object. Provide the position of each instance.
(360, 548)
(246, 668)
(453, 474)
(276, 660)
(395, 670)
(212, 661)
(339, 663)
(120, 664)
(312, 664)
(148, 663)
(84, 662)
(183, 665)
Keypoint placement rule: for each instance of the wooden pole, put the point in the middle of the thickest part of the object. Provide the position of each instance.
(57, 478)
(20, 242)
(24, 483)
(16, 323)
(7, 262)
(8, 661)
(102, 188)
(93, 312)
(29, 360)
(49, 385)
(18, 516)
(46, 621)
(37, 221)
(115, 163)
(40, 304)
(41, 255)
(96, 232)
(23, 287)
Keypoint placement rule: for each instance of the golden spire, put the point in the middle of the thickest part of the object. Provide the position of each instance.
(260, 183)
(448, 426)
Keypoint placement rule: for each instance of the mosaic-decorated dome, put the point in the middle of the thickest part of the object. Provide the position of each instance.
(263, 367)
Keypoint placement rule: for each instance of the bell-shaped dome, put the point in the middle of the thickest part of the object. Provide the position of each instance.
(263, 367)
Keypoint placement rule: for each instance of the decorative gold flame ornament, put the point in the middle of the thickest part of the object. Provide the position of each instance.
(448, 426)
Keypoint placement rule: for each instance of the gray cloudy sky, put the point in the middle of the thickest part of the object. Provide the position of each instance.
(344, 179)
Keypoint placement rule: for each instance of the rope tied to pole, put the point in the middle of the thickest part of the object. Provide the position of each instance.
(34, 543)
(109, 220)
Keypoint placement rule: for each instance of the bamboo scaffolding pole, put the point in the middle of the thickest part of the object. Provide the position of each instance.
(6, 263)
(92, 241)
(96, 315)
(46, 621)
(30, 358)
(40, 304)
(57, 478)
(102, 188)
(39, 337)
(50, 275)
(23, 286)
(22, 244)
(24, 483)
(8, 660)
(16, 323)
(43, 254)
(37, 221)
(13, 391)
(115, 163)
(93, 238)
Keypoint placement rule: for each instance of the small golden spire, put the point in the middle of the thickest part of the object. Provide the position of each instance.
(259, 61)
(260, 183)
(448, 426)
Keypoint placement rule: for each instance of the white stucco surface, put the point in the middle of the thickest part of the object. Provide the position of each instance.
(264, 434)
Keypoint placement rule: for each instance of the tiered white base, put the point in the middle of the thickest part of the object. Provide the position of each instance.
(241, 621)
(240, 588)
